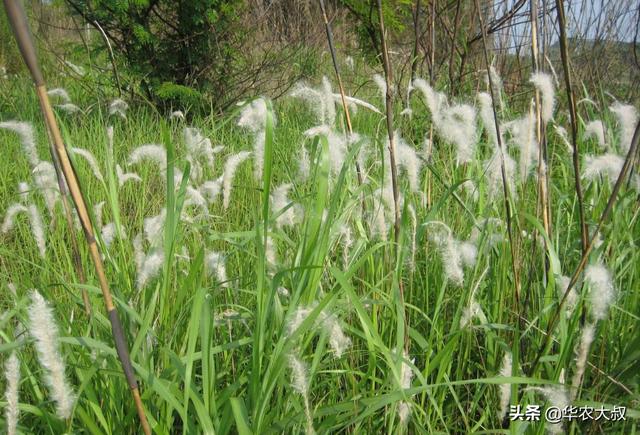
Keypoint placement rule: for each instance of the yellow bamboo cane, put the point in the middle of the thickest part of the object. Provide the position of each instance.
(20, 27)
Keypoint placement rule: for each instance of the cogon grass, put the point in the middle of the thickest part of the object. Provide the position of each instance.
(336, 377)
(44, 329)
(12, 376)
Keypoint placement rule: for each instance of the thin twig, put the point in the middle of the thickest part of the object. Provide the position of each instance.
(336, 68)
(628, 162)
(111, 56)
(564, 52)
(505, 188)
(388, 73)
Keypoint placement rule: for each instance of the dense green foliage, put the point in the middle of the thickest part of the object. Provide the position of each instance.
(214, 355)
(182, 43)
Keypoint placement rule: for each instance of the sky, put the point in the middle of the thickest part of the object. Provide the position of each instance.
(614, 19)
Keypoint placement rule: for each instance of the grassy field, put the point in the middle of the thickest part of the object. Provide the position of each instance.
(270, 301)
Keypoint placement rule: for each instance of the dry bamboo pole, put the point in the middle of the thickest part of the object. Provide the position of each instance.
(432, 71)
(388, 73)
(416, 40)
(626, 168)
(564, 52)
(20, 27)
(505, 189)
(334, 58)
(543, 168)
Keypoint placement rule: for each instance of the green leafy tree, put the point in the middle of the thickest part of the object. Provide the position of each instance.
(173, 46)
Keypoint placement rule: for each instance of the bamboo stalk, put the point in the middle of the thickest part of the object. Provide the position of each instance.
(564, 52)
(505, 189)
(388, 73)
(626, 167)
(20, 27)
(345, 109)
(540, 125)
(416, 40)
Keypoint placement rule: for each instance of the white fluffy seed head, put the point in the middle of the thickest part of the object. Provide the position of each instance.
(299, 376)
(10, 217)
(470, 189)
(602, 292)
(493, 174)
(586, 339)
(150, 267)
(304, 165)
(24, 130)
(68, 108)
(470, 313)
(435, 100)
(557, 397)
(124, 177)
(487, 118)
(215, 266)
(296, 319)
(496, 81)
(154, 228)
(44, 329)
(37, 229)
(505, 389)
(59, 93)
(11, 395)
(177, 114)
(279, 201)
(338, 341)
(628, 119)
(230, 167)
(406, 159)
(564, 137)
(108, 233)
(328, 102)
(194, 198)
(254, 116)
(596, 129)
(458, 126)
(523, 138)
(455, 124)
(199, 146)
(608, 165)
(544, 84)
(211, 189)
(77, 69)
(381, 84)
(45, 179)
(406, 375)
(153, 152)
(313, 98)
(118, 107)
(562, 283)
(91, 160)
(454, 254)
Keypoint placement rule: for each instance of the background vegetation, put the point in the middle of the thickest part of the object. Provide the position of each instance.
(218, 354)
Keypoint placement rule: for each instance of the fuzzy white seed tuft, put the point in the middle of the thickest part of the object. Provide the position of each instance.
(505, 389)
(601, 290)
(544, 84)
(215, 265)
(12, 375)
(44, 329)
(230, 167)
(586, 339)
(27, 139)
